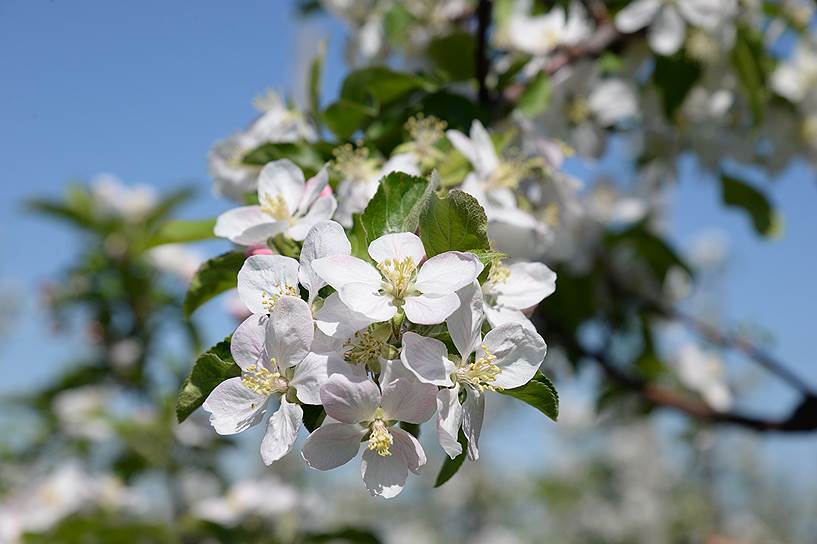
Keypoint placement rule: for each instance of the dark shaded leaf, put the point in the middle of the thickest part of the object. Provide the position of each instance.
(454, 223)
(539, 393)
(451, 466)
(741, 195)
(213, 278)
(210, 369)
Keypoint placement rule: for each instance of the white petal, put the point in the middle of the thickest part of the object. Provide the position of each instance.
(519, 352)
(430, 310)
(384, 476)
(234, 407)
(473, 412)
(402, 162)
(282, 431)
(500, 315)
(281, 178)
(247, 343)
(321, 210)
(290, 332)
(332, 445)
(449, 419)
(312, 190)
(637, 15)
(405, 399)
(463, 144)
(667, 33)
(397, 246)
(310, 375)
(324, 239)
(526, 286)
(447, 273)
(365, 299)
(465, 324)
(487, 160)
(349, 401)
(339, 270)
(613, 100)
(427, 359)
(409, 448)
(246, 225)
(337, 320)
(263, 278)
(353, 196)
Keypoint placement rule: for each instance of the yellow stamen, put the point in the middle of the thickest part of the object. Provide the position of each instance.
(380, 440)
(276, 207)
(578, 110)
(364, 347)
(499, 273)
(551, 215)
(270, 298)
(398, 276)
(354, 163)
(425, 131)
(263, 381)
(481, 373)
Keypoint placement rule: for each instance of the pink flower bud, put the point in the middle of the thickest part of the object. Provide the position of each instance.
(258, 249)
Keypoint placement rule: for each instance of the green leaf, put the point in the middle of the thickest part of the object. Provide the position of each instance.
(210, 369)
(536, 96)
(739, 194)
(454, 223)
(752, 65)
(182, 230)
(314, 83)
(309, 156)
(313, 416)
(213, 278)
(351, 535)
(486, 256)
(454, 55)
(656, 252)
(675, 76)
(539, 393)
(169, 204)
(451, 466)
(396, 206)
(345, 117)
(381, 84)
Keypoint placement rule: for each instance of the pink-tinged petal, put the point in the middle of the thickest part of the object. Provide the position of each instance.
(409, 448)
(449, 420)
(281, 178)
(427, 359)
(430, 309)
(384, 476)
(313, 189)
(247, 343)
(465, 324)
(397, 246)
(332, 445)
(350, 401)
(246, 225)
(282, 431)
(365, 299)
(473, 412)
(636, 15)
(340, 270)
(321, 210)
(310, 375)
(447, 273)
(233, 407)
(519, 352)
(264, 278)
(290, 332)
(337, 320)
(405, 399)
(324, 239)
(527, 285)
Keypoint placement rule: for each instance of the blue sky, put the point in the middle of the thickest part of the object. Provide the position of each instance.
(143, 89)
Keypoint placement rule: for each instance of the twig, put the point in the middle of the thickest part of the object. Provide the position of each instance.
(482, 61)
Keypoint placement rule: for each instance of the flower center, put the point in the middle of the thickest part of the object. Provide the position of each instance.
(398, 275)
(263, 381)
(578, 111)
(481, 373)
(270, 298)
(353, 163)
(499, 273)
(425, 131)
(364, 347)
(508, 173)
(380, 439)
(276, 207)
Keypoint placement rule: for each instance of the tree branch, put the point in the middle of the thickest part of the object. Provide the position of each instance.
(482, 61)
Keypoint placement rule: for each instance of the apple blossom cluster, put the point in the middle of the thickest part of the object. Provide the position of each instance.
(378, 343)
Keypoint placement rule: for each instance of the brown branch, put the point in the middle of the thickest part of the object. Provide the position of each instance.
(482, 62)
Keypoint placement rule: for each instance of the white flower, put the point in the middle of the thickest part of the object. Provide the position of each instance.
(113, 196)
(83, 412)
(323, 240)
(265, 497)
(540, 34)
(511, 289)
(264, 279)
(176, 259)
(703, 372)
(668, 19)
(362, 411)
(361, 178)
(273, 353)
(796, 77)
(426, 293)
(507, 357)
(287, 205)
